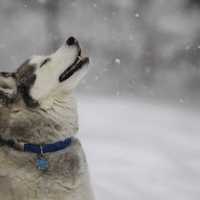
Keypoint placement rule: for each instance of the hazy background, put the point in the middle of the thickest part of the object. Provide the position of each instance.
(144, 48)
(139, 118)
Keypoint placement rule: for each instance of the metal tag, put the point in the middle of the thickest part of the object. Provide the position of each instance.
(42, 163)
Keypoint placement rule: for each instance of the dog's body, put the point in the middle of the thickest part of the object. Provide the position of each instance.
(37, 106)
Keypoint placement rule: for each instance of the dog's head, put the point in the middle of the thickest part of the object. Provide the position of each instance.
(40, 76)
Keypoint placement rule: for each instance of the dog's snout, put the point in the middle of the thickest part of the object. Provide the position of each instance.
(71, 41)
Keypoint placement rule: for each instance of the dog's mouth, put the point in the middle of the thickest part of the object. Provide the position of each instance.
(79, 62)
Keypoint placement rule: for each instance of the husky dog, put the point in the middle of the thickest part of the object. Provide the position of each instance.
(37, 108)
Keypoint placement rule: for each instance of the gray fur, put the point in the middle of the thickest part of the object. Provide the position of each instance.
(25, 119)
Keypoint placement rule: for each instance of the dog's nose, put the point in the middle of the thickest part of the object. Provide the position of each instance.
(71, 41)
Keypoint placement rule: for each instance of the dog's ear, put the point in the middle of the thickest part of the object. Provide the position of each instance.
(8, 87)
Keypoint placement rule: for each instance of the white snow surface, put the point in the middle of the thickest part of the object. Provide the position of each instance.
(140, 150)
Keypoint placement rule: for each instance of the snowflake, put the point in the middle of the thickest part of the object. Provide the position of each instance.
(137, 15)
(117, 60)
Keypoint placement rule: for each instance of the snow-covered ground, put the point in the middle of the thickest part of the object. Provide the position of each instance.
(141, 151)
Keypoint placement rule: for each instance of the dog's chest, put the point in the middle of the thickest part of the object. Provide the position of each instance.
(23, 181)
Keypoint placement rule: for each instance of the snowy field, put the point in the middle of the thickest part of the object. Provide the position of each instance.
(140, 151)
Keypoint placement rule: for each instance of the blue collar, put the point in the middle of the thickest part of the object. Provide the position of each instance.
(47, 148)
(40, 150)
(35, 148)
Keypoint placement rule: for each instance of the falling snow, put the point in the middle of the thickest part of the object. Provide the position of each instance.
(137, 15)
(117, 60)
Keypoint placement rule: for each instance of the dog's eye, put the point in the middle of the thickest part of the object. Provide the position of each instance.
(45, 62)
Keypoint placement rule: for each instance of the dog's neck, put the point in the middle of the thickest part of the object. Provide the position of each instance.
(61, 107)
(54, 119)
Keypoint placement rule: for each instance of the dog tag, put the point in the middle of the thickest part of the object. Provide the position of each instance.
(42, 163)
